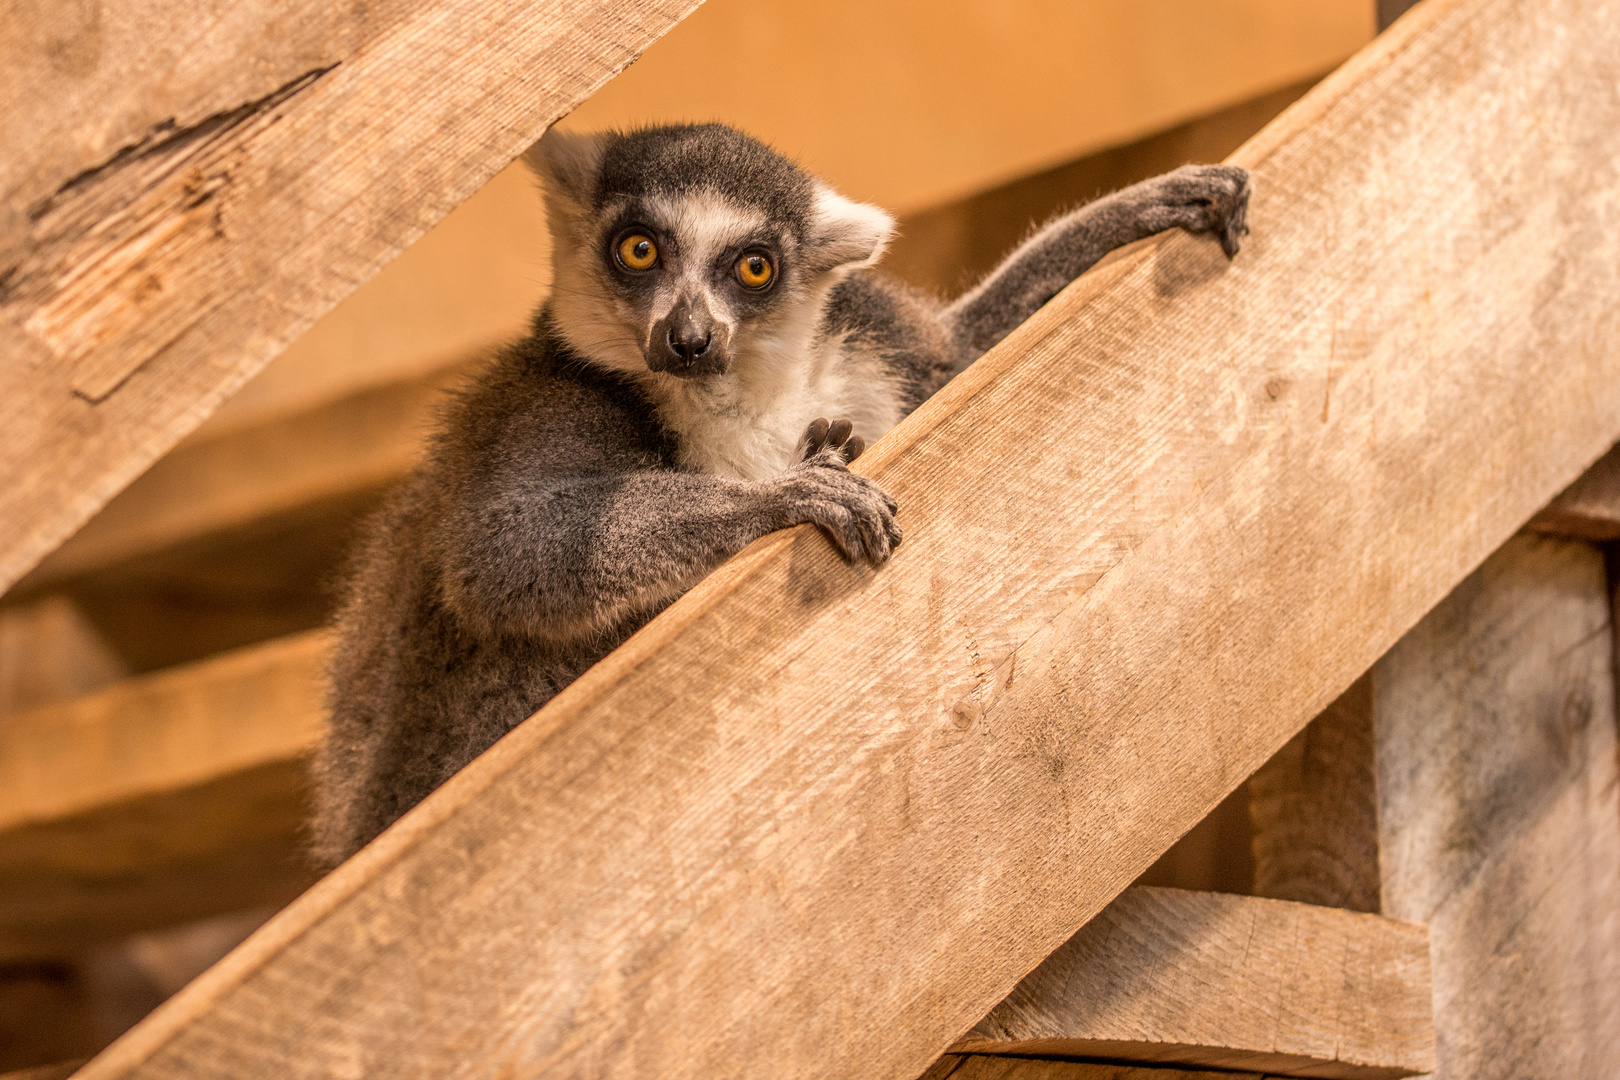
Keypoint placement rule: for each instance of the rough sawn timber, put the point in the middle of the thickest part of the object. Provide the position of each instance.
(1499, 813)
(1227, 982)
(162, 798)
(136, 294)
(1148, 538)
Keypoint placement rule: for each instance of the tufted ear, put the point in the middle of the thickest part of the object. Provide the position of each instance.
(567, 164)
(845, 234)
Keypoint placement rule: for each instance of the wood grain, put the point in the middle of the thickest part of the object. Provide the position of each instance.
(357, 443)
(142, 293)
(1589, 509)
(1227, 982)
(1314, 807)
(1148, 538)
(1001, 1068)
(160, 799)
(1500, 813)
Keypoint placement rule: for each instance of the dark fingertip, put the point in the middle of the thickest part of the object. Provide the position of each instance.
(839, 433)
(816, 433)
(854, 447)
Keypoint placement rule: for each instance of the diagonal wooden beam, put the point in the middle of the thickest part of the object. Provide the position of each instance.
(138, 289)
(1227, 982)
(1589, 509)
(1149, 537)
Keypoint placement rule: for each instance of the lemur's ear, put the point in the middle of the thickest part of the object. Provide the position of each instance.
(844, 233)
(567, 163)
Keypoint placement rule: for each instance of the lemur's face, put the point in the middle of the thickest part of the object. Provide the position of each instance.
(692, 251)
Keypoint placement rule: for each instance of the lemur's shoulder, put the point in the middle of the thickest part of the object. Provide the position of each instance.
(877, 313)
(538, 407)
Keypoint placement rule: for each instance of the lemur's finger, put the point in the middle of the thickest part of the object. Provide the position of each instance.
(895, 535)
(854, 447)
(845, 533)
(874, 538)
(838, 434)
(814, 437)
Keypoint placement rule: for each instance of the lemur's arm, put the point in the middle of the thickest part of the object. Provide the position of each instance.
(563, 556)
(1198, 198)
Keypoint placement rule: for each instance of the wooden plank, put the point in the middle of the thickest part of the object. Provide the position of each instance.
(49, 652)
(1227, 982)
(361, 442)
(1500, 815)
(44, 1072)
(1589, 509)
(1149, 537)
(1314, 806)
(141, 293)
(1004, 1068)
(161, 799)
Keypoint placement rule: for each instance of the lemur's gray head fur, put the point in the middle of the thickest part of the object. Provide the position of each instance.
(693, 250)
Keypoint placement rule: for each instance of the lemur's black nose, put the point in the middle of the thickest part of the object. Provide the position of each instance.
(689, 343)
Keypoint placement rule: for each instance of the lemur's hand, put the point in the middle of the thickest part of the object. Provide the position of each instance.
(819, 489)
(1208, 199)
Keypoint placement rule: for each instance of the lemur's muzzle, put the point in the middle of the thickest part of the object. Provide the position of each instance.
(687, 342)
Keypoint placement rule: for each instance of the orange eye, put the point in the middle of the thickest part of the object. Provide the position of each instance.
(755, 270)
(638, 252)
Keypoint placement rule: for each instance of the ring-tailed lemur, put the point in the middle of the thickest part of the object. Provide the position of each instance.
(710, 301)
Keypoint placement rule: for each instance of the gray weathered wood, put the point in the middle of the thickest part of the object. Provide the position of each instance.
(1500, 813)
(138, 294)
(1227, 982)
(1148, 538)
(1315, 810)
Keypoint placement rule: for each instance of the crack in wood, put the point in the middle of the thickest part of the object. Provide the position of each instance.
(113, 274)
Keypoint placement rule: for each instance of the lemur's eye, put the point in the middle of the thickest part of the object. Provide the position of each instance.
(638, 252)
(755, 270)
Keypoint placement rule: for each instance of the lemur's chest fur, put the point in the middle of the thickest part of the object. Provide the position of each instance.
(746, 423)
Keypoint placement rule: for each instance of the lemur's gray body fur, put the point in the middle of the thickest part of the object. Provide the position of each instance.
(652, 424)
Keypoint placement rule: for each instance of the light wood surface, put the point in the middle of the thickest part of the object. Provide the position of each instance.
(1588, 509)
(1500, 813)
(1227, 982)
(361, 442)
(1000, 1068)
(140, 294)
(1314, 807)
(160, 799)
(1148, 538)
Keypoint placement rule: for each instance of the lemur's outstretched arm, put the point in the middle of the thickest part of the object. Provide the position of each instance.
(1198, 198)
(558, 557)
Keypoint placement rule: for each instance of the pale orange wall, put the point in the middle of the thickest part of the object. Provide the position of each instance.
(912, 103)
